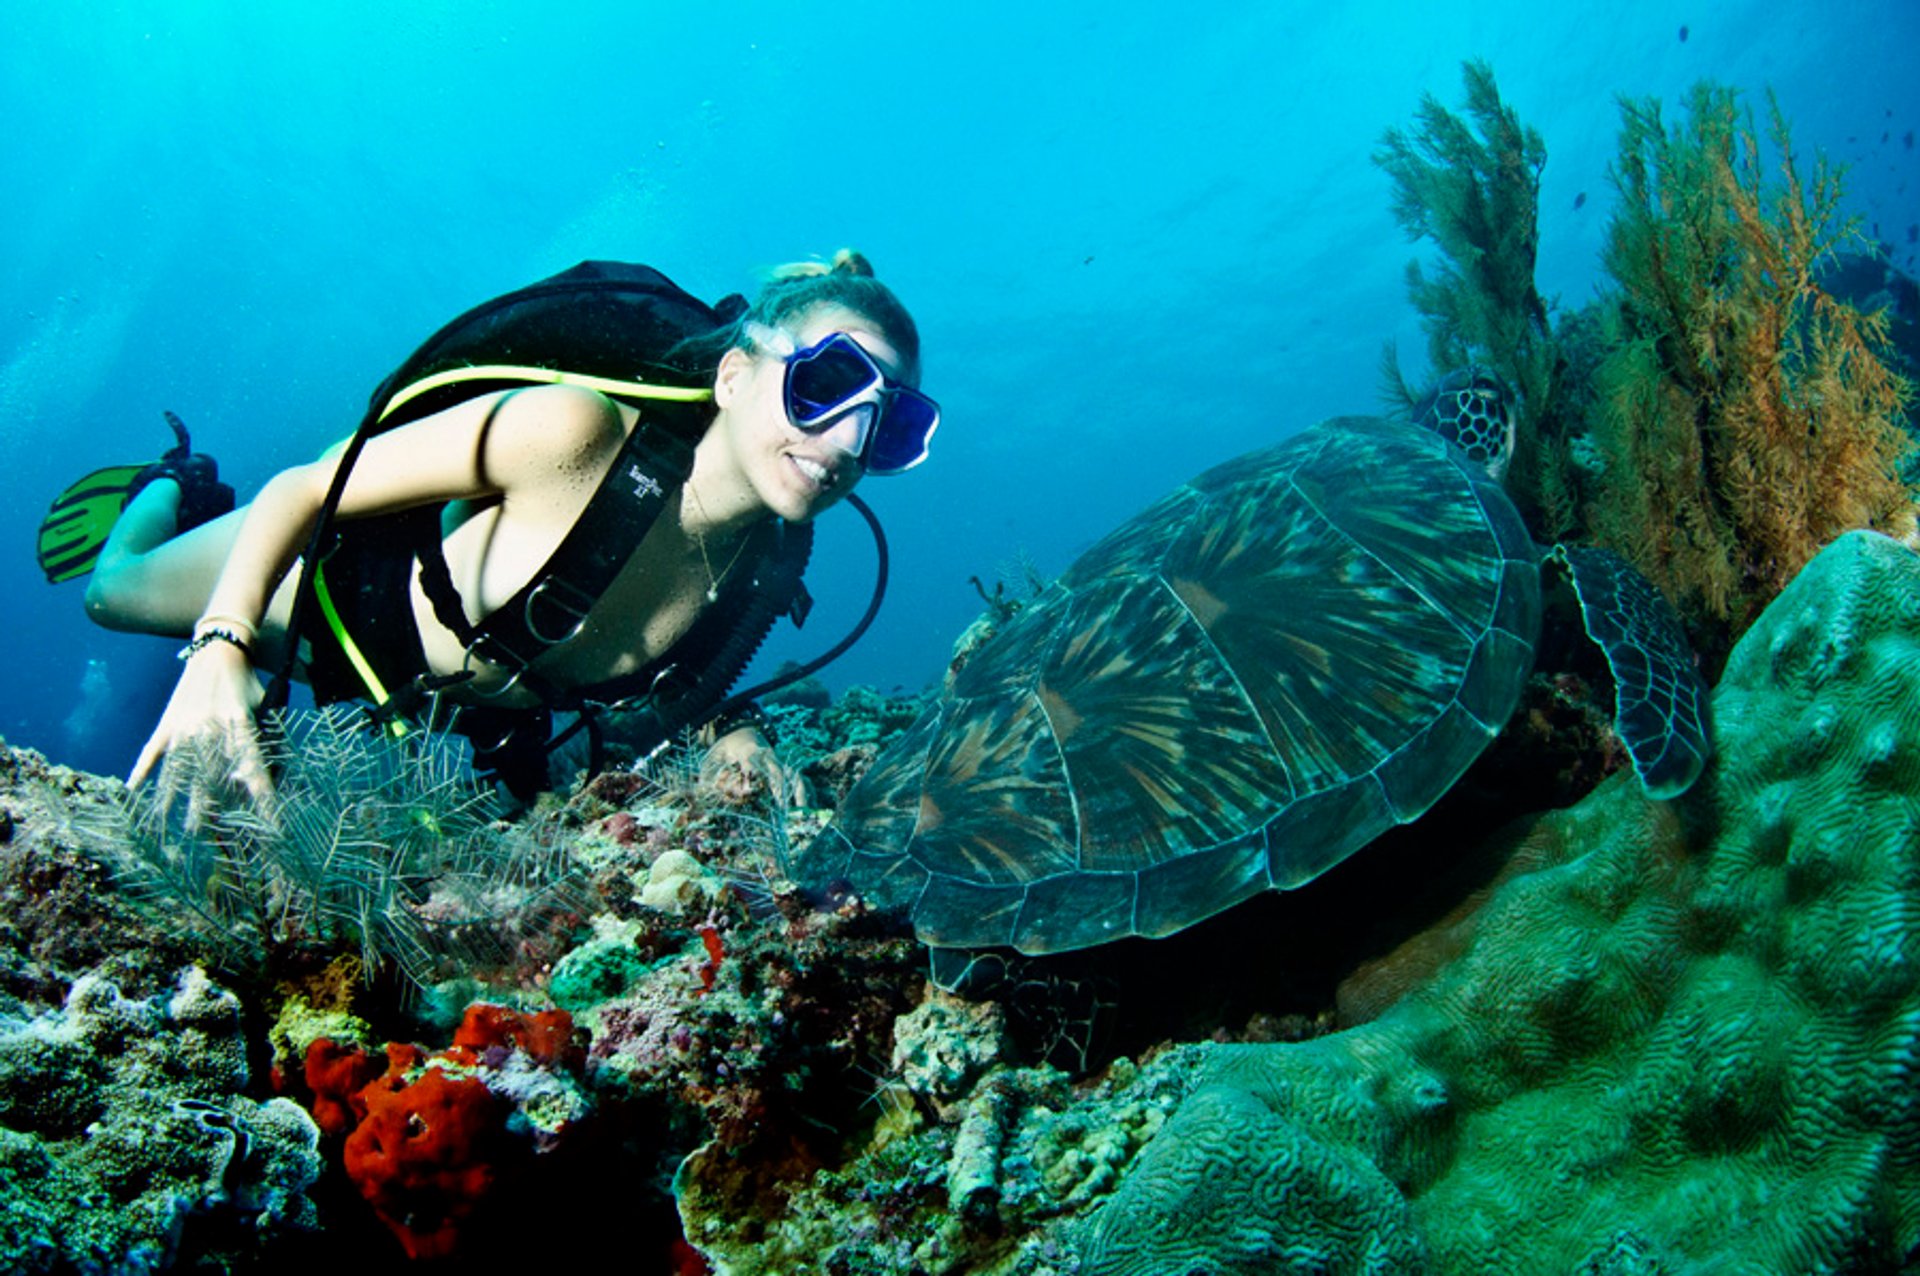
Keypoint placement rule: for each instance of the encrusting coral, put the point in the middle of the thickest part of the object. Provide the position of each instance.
(126, 1138)
(1745, 416)
(1689, 1042)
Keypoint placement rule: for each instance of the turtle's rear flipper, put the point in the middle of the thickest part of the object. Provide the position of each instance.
(1660, 700)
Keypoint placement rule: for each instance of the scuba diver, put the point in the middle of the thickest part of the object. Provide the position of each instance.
(592, 492)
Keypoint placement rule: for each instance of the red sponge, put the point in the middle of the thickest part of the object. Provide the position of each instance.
(335, 1074)
(546, 1037)
(424, 1155)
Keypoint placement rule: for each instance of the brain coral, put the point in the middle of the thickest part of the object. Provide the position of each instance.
(1687, 1044)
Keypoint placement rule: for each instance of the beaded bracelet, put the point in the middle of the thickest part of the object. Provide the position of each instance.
(207, 637)
(749, 714)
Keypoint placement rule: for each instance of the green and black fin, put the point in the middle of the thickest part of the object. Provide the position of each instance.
(81, 517)
(1660, 700)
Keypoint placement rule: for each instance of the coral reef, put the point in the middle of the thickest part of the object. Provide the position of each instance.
(129, 1136)
(1687, 1041)
(956, 1178)
(1671, 1037)
(726, 1008)
(377, 846)
(1757, 413)
(126, 1140)
(833, 744)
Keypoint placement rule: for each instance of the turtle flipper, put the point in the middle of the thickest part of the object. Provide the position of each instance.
(1660, 700)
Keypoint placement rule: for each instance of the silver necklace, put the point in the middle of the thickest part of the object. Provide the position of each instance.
(700, 540)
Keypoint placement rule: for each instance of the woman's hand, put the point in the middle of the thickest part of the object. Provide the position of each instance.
(742, 763)
(206, 739)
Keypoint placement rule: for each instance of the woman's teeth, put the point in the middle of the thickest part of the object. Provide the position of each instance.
(813, 470)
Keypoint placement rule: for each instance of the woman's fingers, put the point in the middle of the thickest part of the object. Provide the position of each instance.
(206, 765)
(250, 772)
(156, 748)
(205, 742)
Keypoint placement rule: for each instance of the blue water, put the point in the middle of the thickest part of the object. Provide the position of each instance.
(1139, 238)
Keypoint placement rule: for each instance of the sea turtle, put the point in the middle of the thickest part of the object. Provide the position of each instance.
(1244, 685)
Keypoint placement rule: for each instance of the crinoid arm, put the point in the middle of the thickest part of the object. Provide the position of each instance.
(381, 846)
(1660, 699)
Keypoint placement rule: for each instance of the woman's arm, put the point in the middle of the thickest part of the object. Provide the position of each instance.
(514, 445)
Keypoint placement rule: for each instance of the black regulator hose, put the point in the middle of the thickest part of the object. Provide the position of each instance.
(833, 653)
(739, 698)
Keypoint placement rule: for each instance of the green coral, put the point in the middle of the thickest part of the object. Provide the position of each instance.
(300, 1024)
(1471, 184)
(127, 1143)
(1685, 1043)
(601, 969)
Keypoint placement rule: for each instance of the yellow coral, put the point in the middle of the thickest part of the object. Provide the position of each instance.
(1746, 416)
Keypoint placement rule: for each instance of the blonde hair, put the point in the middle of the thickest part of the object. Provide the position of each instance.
(791, 290)
(847, 261)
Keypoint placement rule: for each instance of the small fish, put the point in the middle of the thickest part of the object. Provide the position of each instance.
(1913, 233)
(1683, 35)
(1578, 200)
(1906, 139)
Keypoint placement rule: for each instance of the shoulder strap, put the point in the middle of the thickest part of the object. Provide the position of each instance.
(613, 325)
(553, 604)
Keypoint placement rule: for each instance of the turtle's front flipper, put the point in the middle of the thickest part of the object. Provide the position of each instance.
(1660, 701)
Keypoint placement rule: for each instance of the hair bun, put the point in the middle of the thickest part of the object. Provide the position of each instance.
(848, 261)
(845, 262)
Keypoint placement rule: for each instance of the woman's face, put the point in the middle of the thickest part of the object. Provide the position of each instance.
(795, 474)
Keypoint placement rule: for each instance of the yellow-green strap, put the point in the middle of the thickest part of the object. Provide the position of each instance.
(454, 376)
(355, 656)
(544, 376)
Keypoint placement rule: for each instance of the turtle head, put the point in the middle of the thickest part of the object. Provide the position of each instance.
(1473, 410)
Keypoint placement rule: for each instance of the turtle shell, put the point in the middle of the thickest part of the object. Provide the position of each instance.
(1232, 692)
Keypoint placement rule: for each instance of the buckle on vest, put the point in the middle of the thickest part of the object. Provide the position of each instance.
(496, 653)
(573, 605)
